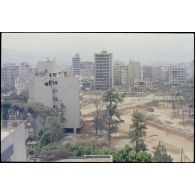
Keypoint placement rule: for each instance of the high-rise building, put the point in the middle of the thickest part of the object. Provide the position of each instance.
(87, 69)
(55, 87)
(103, 70)
(177, 75)
(76, 64)
(147, 72)
(133, 73)
(22, 81)
(9, 72)
(120, 74)
(159, 73)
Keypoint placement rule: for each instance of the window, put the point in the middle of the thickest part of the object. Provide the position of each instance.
(55, 98)
(50, 74)
(50, 82)
(56, 82)
(46, 84)
(55, 90)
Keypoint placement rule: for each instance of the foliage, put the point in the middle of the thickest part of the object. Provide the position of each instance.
(112, 114)
(153, 103)
(153, 118)
(127, 155)
(48, 151)
(160, 154)
(136, 135)
(80, 150)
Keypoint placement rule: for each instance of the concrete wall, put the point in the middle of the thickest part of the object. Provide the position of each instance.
(16, 138)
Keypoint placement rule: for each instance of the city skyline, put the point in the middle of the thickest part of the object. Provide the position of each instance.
(147, 48)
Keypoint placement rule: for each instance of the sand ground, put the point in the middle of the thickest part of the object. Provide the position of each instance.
(174, 142)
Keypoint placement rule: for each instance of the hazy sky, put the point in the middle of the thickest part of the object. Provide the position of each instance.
(147, 48)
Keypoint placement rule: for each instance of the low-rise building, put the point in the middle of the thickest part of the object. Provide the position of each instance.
(146, 85)
(13, 137)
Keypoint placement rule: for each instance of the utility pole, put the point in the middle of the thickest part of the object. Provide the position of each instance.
(181, 154)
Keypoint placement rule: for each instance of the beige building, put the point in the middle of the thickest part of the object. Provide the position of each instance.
(52, 87)
(103, 70)
(120, 74)
(133, 73)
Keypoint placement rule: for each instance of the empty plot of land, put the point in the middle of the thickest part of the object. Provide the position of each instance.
(175, 142)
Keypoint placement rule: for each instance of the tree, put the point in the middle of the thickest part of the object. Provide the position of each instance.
(136, 135)
(98, 122)
(112, 114)
(128, 155)
(160, 154)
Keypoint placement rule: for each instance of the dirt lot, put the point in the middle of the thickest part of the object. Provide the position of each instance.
(180, 137)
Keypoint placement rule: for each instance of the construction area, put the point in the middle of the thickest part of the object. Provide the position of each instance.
(163, 125)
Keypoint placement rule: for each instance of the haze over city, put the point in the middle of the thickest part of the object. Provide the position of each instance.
(149, 49)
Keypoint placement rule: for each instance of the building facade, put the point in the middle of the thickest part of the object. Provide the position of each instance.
(103, 71)
(87, 69)
(147, 72)
(9, 72)
(133, 73)
(177, 75)
(76, 64)
(55, 87)
(13, 137)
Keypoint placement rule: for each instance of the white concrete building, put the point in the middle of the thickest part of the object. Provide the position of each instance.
(20, 85)
(76, 64)
(53, 87)
(177, 75)
(9, 73)
(133, 73)
(13, 147)
(103, 70)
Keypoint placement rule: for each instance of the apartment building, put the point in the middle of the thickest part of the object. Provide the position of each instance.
(87, 69)
(177, 75)
(54, 87)
(120, 74)
(133, 73)
(76, 64)
(9, 72)
(147, 72)
(103, 70)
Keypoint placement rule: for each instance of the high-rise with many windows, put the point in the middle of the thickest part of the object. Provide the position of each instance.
(9, 72)
(76, 64)
(103, 70)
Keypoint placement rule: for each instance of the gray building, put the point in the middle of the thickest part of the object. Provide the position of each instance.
(9, 72)
(103, 70)
(147, 72)
(76, 64)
